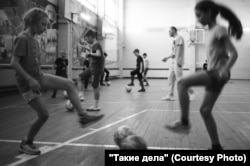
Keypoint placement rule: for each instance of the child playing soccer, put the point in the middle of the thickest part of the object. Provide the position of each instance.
(221, 55)
(31, 81)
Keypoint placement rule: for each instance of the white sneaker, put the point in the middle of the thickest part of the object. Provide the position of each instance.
(168, 98)
(192, 95)
(93, 108)
(81, 97)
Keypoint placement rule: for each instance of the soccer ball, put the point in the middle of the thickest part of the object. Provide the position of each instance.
(128, 88)
(69, 106)
(108, 83)
(121, 133)
(65, 94)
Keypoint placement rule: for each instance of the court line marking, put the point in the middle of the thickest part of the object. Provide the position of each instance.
(226, 112)
(95, 145)
(10, 106)
(79, 137)
(69, 142)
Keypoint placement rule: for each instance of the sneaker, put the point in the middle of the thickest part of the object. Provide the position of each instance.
(131, 84)
(179, 127)
(192, 95)
(29, 148)
(141, 90)
(86, 118)
(81, 97)
(168, 98)
(93, 108)
(102, 84)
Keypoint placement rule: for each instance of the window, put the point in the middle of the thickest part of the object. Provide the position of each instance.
(110, 11)
(90, 4)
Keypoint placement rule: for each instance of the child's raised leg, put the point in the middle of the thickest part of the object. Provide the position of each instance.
(54, 82)
(197, 79)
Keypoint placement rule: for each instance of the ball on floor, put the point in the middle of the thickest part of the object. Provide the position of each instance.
(128, 89)
(69, 105)
(121, 133)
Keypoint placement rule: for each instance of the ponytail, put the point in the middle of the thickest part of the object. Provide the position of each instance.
(235, 27)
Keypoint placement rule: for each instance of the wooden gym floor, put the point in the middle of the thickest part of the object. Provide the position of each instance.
(64, 142)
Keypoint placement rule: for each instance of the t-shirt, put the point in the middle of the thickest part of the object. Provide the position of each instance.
(140, 64)
(217, 55)
(177, 44)
(97, 62)
(61, 65)
(146, 62)
(27, 48)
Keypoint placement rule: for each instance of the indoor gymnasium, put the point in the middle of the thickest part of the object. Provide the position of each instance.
(81, 77)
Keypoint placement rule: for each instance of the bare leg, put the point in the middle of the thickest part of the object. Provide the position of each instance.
(79, 84)
(55, 82)
(40, 107)
(206, 112)
(96, 96)
(197, 79)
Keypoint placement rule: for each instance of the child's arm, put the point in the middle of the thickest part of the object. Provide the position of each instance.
(97, 53)
(34, 85)
(168, 57)
(233, 55)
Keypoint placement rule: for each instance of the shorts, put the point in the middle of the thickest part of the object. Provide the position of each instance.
(94, 74)
(136, 72)
(217, 83)
(31, 95)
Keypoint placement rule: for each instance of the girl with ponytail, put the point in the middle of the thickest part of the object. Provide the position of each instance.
(221, 55)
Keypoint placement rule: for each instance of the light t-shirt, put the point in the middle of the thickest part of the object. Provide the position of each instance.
(146, 63)
(177, 44)
(217, 54)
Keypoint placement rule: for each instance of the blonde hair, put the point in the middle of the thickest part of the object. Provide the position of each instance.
(33, 16)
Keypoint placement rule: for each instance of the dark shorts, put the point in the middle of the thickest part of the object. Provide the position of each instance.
(94, 74)
(136, 72)
(217, 83)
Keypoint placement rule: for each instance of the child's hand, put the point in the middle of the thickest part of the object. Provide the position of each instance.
(165, 59)
(34, 85)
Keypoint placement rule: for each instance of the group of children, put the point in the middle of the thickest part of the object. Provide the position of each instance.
(31, 81)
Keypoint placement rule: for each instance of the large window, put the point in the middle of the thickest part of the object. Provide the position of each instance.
(91, 4)
(110, 11)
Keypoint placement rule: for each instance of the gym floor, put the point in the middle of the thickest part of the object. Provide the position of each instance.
(63, 141)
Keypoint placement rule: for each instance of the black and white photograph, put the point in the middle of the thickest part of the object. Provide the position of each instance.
(124, 82)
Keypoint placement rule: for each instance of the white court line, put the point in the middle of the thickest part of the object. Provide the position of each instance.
(79, 137)
(10, 106)
(226, 112)
(98, 145)
(37, 142)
